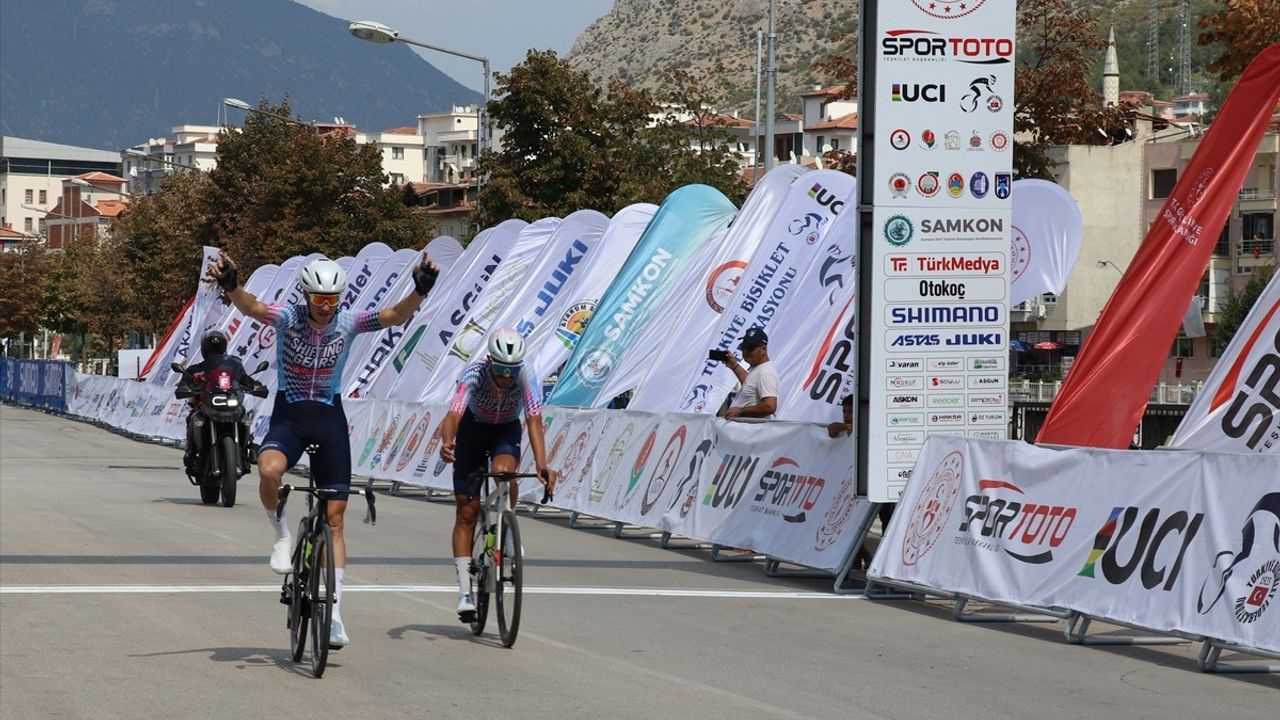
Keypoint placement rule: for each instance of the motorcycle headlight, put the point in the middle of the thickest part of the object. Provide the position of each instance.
(232, 402)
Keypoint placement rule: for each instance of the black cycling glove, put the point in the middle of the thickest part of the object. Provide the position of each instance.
(229, 279)
(424, 278)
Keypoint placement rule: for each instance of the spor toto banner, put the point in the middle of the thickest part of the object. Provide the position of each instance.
(1145, 538)
(1238, 410)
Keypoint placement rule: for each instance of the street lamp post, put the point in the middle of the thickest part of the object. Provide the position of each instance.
(242, 105)
(773, 80)
(379, 33)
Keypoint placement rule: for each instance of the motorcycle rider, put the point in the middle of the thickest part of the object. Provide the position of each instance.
(213, 351)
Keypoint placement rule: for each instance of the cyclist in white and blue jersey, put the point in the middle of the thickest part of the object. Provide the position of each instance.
(312, 343)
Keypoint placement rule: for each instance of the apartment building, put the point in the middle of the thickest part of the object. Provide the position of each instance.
(87, 204)
(32, 173)
(193, 147)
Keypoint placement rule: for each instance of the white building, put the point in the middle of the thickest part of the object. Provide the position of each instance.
(192, 147)
(403, 153)
(31, 175)
(452, 144)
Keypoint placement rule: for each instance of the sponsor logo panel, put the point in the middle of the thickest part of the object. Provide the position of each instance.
(976, 289)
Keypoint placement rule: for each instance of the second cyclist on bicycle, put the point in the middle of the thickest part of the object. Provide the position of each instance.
(484, 421)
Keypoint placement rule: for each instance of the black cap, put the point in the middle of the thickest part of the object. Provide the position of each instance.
(754, 338)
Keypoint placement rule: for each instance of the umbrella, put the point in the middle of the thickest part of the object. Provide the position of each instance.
(1047, 345)
(1019, 345)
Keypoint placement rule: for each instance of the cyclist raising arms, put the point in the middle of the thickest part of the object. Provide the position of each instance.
(484, 417)
(312, 343)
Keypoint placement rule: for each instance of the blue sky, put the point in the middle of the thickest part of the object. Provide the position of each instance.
(500, 29)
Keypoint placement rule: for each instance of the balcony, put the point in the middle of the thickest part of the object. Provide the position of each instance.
(1027, 311)
(457, 136)
(1254, 199)
(1255, 248)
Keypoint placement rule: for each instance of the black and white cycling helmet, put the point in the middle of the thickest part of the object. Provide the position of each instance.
(323, 276)
(506, 347)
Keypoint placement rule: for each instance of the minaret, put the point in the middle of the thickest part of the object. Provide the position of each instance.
(1111, 73)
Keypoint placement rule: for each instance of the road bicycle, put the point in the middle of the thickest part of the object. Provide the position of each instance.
(308, 589)
(497, 557)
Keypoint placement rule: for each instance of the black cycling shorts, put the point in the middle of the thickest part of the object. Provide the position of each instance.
(296, 425)
(476, 438)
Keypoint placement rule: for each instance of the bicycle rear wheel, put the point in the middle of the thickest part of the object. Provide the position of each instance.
(322, 584)
(509, 569)
(479, 578)
(299, 608)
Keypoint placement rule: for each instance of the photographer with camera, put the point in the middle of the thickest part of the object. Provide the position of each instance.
(758, 395)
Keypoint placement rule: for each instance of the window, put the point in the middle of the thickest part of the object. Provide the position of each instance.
(397, 153)
(1183, 346)
(1162, 182)
(818, 149)
(44, 197)
(1223, 246)
(835, 143)
(397, 179)
(1049, 299)
(28, 197)
(26, 224)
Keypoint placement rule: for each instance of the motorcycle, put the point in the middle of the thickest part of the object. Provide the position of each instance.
(226, 455)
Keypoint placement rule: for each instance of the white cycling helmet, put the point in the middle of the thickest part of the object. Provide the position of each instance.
(323, 276)
(506, 347)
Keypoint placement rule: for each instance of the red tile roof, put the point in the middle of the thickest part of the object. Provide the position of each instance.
(830, 90)
(100, 177)
(406, 130)
(844, 122)
(11, 234)
(792, 116)
(111, 208)
(723, 119)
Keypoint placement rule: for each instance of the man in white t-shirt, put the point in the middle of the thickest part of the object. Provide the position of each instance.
(758, 396)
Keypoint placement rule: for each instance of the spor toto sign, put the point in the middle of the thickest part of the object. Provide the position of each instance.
(948, 8)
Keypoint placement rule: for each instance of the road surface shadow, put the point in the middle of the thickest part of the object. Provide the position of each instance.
(249, 657)
(441, 632)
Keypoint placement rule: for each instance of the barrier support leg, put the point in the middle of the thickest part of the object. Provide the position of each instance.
(1030, 614)
(665, 542)
(1077, 633)
(620, 532)
(1210, 659)
(879, 588)
(718, 554)
(575, 521)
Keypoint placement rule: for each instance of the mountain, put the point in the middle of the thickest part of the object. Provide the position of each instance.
(112, 73)
(640, 40)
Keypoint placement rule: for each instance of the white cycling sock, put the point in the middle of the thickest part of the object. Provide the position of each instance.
(280, 525)
(338, 575)
(463, 567)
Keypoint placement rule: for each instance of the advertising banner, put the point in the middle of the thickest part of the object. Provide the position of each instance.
(428, 337)
(699, 311)
(938, 299)
(508, 280)
(550, 347)
(1238, 409)
(688, 218)
(1048, 231)
(1105, 394)
(388, 284)
(360, 271)
(1147, 538)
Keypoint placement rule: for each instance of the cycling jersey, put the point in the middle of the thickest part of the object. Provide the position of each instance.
(491, 404)
(309, 361)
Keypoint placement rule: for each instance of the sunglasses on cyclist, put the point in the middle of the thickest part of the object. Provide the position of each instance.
(323, 300)
(504, 370)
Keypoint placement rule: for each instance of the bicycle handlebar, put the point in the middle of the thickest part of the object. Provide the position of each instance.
(478, 477)
(370, 518)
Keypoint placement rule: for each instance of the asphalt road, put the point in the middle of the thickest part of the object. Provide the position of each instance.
(122, 597)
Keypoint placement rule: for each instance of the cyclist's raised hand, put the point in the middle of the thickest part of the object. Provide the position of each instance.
(224, 272)
(446, 451)
(424, 276)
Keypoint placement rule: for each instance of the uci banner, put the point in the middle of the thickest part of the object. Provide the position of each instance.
(1147, 538)
(690, 217)
(1238, 410)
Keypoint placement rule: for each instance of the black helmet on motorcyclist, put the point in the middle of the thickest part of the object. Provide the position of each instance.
(213, 344)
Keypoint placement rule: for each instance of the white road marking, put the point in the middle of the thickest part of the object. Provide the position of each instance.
(629, 591)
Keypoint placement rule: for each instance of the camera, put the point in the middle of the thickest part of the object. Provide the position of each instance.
(718, 355)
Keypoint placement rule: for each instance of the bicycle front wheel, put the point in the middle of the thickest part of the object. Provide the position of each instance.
(479, 578)
(322, 584)
(299, 608)
(509, 568)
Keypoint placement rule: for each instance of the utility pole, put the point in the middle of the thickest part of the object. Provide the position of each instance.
(756, 130)
(1153, 42)
(773, 80)
(1184, 49)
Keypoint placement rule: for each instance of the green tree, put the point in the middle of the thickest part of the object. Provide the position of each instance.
(22, 274)
(568, 144)
(282, 189)
(1242, 29)
(159, 249)
(1237, 307)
